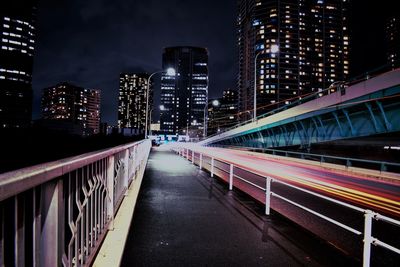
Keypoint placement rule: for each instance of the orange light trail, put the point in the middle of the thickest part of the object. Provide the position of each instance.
(367, 192)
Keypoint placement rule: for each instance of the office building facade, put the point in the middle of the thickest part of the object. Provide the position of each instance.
(301, 46)
(132, 101)
(222, 112)
(184, 96)
(17, 43)
(393, 42)
(74, 105)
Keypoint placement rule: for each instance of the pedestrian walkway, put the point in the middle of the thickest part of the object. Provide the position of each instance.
(185, 218)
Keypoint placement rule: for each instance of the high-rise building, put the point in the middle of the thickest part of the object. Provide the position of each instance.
(184, 95)
(132, 101)
(73, 104)
(222, 112)
(393, 41)
(17, 29)
(301, 46)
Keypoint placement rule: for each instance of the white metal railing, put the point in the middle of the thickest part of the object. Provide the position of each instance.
(369, 216)
(57, 213)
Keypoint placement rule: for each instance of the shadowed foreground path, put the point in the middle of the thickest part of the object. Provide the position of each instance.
(185, 218)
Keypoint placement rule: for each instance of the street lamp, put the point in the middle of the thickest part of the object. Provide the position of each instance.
(150, 121)
(170, 72)
(215, 103)
(205, 121)
(273, 50)
(162, 108)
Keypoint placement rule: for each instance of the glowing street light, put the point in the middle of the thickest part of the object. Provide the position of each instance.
(171, 72)
(274, 49)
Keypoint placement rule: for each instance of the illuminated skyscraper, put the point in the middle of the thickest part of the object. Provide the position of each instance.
(184, 96)
(301, 46)
(17, 29)
(393, 41)
(222, 112)
(132, 101)
(70, 103)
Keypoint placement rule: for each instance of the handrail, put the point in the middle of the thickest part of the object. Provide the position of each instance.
(14, 182)
(369, 216)
(69, 205)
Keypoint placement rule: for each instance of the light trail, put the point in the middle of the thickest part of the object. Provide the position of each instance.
(368, 192)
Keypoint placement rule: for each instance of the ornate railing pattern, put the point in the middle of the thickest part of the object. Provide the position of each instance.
(57, 213)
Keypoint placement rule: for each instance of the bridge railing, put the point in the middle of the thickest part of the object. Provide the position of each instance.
(381, 166)
(235, 172)
(301, 100)
(58, 213)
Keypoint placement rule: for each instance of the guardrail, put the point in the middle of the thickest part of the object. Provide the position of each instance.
(301, 100)
(369, 216)
(58, 213)
(382, 166)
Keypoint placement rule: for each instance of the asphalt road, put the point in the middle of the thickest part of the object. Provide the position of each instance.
(185, 218)
(365, 192)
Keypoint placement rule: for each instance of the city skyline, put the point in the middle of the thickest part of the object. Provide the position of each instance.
(276, 138)
(78, 48)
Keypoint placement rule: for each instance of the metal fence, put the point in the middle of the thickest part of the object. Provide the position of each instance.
(369, 215)
(57, 213)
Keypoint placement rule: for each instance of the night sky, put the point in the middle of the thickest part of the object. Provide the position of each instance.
(90, 42)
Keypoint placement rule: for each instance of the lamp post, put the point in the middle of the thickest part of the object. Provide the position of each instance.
(205, 121)
(215, 103)
(170, 72)
(274, 49)
(150, 121)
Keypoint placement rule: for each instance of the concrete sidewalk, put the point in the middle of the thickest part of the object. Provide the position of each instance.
(185, 218)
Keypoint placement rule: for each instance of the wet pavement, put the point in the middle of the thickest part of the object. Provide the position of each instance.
(185, 218)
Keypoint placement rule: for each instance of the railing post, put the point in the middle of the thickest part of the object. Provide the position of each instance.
(110, 190)
(367, 237)
(201, 161)
(20, 229)
(383, 167)
(126, 171)
(267, 195)
(348, 163)
(212, 167)
(187, 153)
(136, 159)
(192, 156)
(230, 176)
(52, 236)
